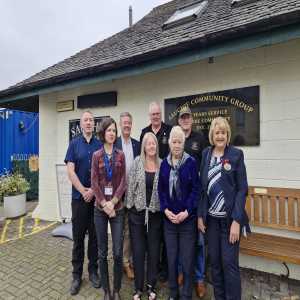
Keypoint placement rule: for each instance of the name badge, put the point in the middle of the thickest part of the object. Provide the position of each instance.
(108, 191)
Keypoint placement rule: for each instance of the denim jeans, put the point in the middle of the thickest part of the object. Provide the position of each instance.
(117, 233)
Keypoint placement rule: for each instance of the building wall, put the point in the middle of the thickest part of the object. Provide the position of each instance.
(275, 163)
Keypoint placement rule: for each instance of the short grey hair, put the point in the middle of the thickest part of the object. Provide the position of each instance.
(154, 103)
(125, 114)
(87, 112)
(177, 131)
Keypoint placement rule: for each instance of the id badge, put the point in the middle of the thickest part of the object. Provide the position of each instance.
(108, 191)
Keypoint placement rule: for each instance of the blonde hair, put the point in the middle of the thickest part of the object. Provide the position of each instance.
(177, 131)
(223, 123)
(143, 153)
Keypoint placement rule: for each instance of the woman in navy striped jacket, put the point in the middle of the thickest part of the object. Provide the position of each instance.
(221, 211)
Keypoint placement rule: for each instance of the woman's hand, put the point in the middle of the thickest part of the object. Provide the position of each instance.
(234, 232)
(201, 225)
(171, 216)
(182, 216)
(113, 214)
(108, 207)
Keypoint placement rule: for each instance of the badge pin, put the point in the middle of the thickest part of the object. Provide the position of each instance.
(227, 166)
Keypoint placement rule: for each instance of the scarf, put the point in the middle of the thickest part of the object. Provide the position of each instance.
(174, 183)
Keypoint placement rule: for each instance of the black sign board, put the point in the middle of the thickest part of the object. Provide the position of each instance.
(75, 130)
(239, 106)
(97, 100)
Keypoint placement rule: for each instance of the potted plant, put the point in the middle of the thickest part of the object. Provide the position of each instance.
(13, 188)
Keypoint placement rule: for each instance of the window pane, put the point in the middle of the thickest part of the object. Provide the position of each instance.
(187, 12)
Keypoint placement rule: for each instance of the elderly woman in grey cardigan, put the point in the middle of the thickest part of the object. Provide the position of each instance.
(145, 219)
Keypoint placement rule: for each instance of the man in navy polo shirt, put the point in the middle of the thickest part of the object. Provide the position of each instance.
(78, 160)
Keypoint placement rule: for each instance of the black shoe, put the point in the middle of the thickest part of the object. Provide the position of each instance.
(107, 295)
(75, 286)
(116, 296)
(173, 298)
(95, 280)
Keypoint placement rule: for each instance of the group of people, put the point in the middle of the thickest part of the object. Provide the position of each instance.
(164, 198)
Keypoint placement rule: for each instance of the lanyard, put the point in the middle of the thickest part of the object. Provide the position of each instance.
(108, 166)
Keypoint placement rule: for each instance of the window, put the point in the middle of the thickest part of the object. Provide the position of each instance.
(186, 14)
(236, 3)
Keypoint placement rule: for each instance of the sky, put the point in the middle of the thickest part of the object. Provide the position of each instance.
(35, 34)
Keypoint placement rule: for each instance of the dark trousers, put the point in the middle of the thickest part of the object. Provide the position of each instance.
(117, 234)
(143, 242)
(82, 222)
(181, 244)
(163, 265)
(224, 259)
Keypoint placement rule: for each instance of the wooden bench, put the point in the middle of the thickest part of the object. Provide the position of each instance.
(273, 208)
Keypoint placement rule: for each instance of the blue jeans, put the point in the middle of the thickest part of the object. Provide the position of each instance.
(200, 259)
(181, 242)
(117, 233)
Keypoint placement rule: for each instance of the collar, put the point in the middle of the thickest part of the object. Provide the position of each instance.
(183, 159)
(85, 141)
(123, 141)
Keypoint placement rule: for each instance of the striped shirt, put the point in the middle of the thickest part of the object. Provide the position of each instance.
(214, 190)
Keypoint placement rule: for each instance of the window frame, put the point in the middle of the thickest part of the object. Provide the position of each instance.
(186, 19)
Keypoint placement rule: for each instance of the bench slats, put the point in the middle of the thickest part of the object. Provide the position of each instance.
(272, 247)
(276, 208)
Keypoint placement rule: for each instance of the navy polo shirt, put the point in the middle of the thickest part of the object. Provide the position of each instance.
(80, 152)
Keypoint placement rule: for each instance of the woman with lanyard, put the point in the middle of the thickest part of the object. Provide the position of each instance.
(221, 211)
(145, 220)
(109, 184)
(178, 189)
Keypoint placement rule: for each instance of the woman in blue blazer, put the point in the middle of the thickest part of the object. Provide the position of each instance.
(179, 192)
(221, 210)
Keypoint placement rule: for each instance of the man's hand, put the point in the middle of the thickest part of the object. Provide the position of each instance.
(88, 194)
(201, 225)
(182, 216)
(234, 232)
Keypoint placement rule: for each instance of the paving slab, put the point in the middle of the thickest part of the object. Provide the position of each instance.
(36, 265)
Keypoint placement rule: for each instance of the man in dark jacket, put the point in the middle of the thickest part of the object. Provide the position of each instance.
(131, 149)
(159, 128)
(194, 145)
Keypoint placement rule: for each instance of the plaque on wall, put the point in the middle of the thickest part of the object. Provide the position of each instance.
(75, 130)
(239, 106)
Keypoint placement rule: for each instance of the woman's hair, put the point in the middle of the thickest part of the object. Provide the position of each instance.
(177, 131)
(143, 152)
(223, 124)
(105, 123)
